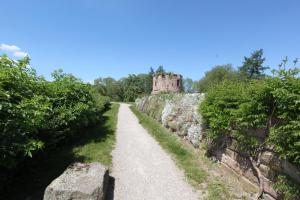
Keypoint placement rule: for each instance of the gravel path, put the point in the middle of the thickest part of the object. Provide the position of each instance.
(141, 168)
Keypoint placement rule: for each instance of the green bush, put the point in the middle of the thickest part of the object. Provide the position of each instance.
(270, 106)
(36, 113)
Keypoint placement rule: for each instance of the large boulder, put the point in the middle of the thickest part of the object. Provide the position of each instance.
(79, 181)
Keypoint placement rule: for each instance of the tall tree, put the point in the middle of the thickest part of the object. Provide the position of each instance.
(160, 70)
(253, 66)
(216, 75)
(188, 85)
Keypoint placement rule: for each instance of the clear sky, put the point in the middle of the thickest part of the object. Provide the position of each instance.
(93, 38)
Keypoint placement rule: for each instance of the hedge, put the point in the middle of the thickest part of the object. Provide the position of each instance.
(270, 106)
(38, 114)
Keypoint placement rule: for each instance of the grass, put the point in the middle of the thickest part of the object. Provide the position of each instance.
(186, 158)
(100, 150)
(93, 144)
(217, 190)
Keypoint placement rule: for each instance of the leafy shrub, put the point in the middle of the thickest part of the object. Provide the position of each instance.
(36, 113)
(288, 188)
(271, 105)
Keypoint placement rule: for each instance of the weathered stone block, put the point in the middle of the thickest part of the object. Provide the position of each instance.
(79, 182)
(291, 170)
(271, 159)
(233, 145)
(193, 135)
(234, 155)
(267, 171)
(269, 189)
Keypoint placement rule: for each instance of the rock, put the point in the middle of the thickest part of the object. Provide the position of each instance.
(184, 129)
(79, 182)
(179, 112)
(167, 111)
(291, 170)
(194, 135)
(234, 155)
(233, 145)
(268, 187)
(271, 159)
(267, 172)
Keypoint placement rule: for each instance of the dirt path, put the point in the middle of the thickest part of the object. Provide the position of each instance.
(141, 168)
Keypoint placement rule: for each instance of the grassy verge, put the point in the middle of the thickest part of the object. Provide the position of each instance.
(186, 158)
(99, 149)
(93, 144)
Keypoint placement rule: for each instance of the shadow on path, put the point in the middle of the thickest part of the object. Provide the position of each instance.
(110, 188)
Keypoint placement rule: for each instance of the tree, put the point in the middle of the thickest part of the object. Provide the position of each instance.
(188, 85)
(160, 70)
(100, 87)
(149, 81)
(253, 66)
(216, 75)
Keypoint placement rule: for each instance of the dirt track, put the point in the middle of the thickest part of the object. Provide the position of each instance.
(141, 168)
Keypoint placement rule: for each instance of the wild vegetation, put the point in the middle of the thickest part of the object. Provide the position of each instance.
(253, 100)
(38, 115)
(128, 89)
(92, 144)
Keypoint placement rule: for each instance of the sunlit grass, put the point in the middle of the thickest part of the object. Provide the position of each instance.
(185, 158)
(99, 150)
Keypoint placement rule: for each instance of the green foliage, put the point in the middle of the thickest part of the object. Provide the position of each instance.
(218, 191)
(126, 89)
(99, 150)
(160, 70)
(253, 66)
(189, 86)
(285, 135)
(36, 113)
(289, 189)
(216, 75)
(91, 144)
(272, 105)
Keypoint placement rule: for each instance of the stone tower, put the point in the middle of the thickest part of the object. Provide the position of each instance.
(166, 83)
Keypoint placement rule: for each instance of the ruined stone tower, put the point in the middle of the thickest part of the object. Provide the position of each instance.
(166, 83)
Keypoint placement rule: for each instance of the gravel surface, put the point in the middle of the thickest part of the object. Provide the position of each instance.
(142, 170)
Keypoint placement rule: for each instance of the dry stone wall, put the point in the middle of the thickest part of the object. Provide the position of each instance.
(178, 112)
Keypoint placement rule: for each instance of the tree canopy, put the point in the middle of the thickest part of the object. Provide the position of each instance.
(216, 75)
(253, 66)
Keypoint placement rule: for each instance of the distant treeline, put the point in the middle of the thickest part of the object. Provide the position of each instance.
(129, 88)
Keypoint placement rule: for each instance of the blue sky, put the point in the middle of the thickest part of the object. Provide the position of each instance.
(93, 38)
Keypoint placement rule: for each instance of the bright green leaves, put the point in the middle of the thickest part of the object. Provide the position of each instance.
(272, 104)
(35, 113)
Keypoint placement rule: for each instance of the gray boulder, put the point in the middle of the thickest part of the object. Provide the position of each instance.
(79, 181)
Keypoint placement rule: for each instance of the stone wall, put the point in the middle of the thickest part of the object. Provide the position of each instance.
(179, 113)
(231, 155)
